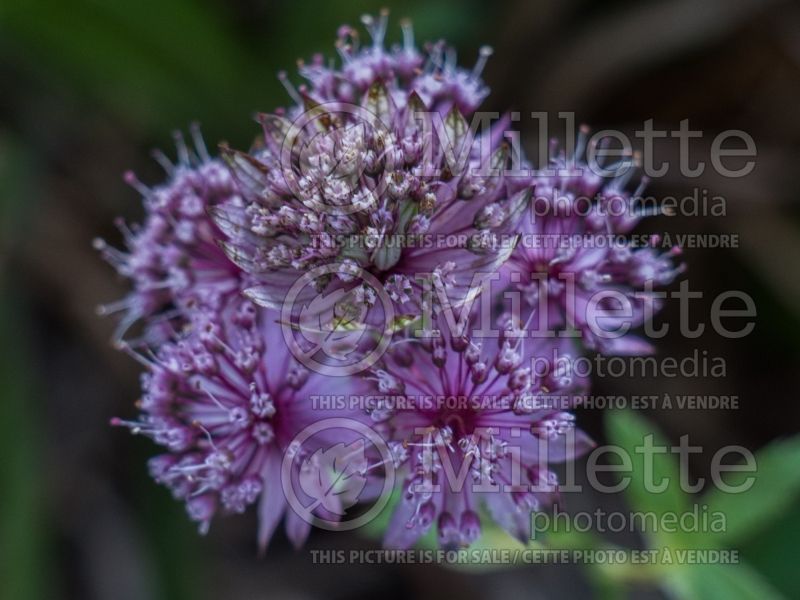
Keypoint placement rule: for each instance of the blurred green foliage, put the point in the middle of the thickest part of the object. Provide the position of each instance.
(24, 531)
(158, 64)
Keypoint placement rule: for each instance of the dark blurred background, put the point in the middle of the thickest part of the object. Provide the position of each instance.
(88, 88)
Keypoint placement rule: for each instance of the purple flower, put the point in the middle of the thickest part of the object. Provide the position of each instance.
(225, 401)
(388, 185)
(374, 178)
(474, 424)
(574, 265)
(173, 258)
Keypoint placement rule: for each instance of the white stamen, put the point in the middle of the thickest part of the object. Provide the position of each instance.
(483, 56)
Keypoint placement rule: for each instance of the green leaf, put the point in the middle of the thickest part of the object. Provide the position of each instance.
(650, 470)
(24, 535)
(375, 528)
(720, 581)
(776, 487)
(769, 550)
(24, 569)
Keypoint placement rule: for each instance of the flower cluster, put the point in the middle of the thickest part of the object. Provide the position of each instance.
(373, 186)
(225, 404)
(575, 267)
(371, 173)
(173, 258)
(475, 409)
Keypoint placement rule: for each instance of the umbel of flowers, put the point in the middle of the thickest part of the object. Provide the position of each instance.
(225, 404)
(373, 155)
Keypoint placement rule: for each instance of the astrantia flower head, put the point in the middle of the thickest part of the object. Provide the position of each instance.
(478, 427)
(374, 184)
(386, 184)
(173, 257)
(574, 263)
(226, 401)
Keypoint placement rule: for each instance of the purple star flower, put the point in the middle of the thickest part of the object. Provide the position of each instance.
(173, 257)
(388, 185)
(226, 401)
(574, 265)
(477, 425)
